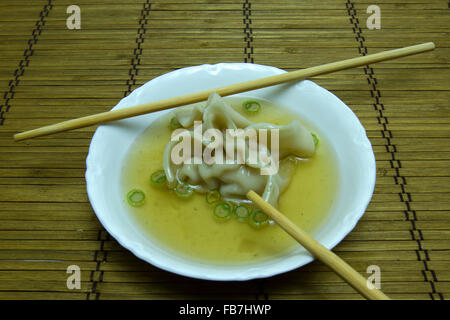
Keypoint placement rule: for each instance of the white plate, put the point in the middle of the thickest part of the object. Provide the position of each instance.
(319, 107)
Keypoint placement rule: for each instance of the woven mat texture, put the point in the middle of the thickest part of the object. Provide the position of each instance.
(49, 73)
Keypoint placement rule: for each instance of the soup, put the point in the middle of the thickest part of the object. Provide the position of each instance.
(188, 227)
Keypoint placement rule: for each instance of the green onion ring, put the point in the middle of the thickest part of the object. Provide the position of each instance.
(223, 210)
(251, 106)
(242, 213)
(183, 190)
(158, 178)
(213, 196)
(136, 198)
(258, 219)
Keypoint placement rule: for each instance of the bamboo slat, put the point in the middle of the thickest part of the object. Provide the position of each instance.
(49, 73)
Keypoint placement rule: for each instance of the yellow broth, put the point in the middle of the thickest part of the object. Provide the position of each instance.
(187, 227)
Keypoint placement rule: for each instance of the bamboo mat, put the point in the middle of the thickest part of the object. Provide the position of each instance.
(49, 73)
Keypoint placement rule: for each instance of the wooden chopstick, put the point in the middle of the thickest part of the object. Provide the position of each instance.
(345, 271)
(149, 107)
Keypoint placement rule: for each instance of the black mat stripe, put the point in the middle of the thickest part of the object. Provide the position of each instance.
(404, 196)
(248, 58)
(137, 51)
(101, 255)
(25, 61)
(248, 31)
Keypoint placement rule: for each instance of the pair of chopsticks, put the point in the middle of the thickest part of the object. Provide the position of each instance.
(356, 280)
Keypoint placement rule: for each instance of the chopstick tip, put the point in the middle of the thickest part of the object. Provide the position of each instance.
(18, 137)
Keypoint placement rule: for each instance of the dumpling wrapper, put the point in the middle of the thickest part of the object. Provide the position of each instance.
(294, 139)
(219, 115)
(277, 183)
(187, 115)
(235, 180)
(238, 182)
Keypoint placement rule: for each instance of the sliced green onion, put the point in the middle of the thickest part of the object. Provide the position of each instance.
(174, 124)
(316, 139)
(223, 210)
(251, 106)
(136, 198)
(241, 213)
(213, 196)
(258, 219)
(183, 190)
(158, 178)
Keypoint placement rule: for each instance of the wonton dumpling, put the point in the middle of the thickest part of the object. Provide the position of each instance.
(293, 139)
(239, 182)
(219, 115)
(170, 168)
(187, 115)
(211, 173)
(279, 181)
(189, 173)
(235, 179)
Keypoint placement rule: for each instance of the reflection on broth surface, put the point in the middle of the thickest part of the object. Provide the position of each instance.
(188, 227)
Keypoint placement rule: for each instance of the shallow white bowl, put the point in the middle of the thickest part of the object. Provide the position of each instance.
(319, 107)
